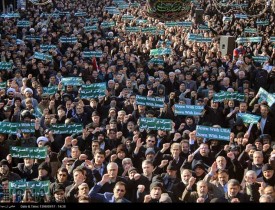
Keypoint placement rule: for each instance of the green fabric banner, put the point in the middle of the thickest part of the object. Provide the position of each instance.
(127, 17)
(5, 65)
(157, 61)
(75, 81)
(155, 124)
(149, 30)
(90, 54)
(213, 133)
(38, 188)
(93, 90)
(14, 128)
(29, 152)
(223, 95)
(192, 110)
(132, 29)
(260, 59)
(80, 14)
(250, 30)
(248, 39)
(150, 101)
(66, 128)
(249, 118)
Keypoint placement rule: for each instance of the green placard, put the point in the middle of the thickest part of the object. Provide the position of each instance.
(262, 22)
(47, 47)
(265, 96)
(43, 56)
(50, 90)
(213, 133)
(10, 15)
(192, 110)
(250, 30)
(68, 39)
(29, 152)
(157, 61)
(38, 188)
(155, 124)
(29, 37)
(107, 24)
(132, 29)
(93, 90)
(248, 39)
(23, 23)
(77, 81)
(241, 16)
(3, 85)
(90, 28)
(80, 14)
(14, 128)
(149, 30)
(272, 39)
(249, 118)
(127, 17)
(5, 65)
(161, 51)
(90, 54)
(150, 101)
(260, 59)
(225, 95)
(67, 128)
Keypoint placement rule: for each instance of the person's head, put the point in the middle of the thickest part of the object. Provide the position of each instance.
(199, 169)
(83, 189)
(127, 163)
(185, 175)
(78, 175)
(43, 169)
(175, 149)
(147, 168)
(185, 146)
(268, 171)
(258, 158)
(112, 170)
(233, 188)
(221, 162)
(28, 162)
(202, 188)
(269, 190)
(204, 150)
(95, 145)
(75, 152)
(119, 190)
(59, 193)
(250, 177)
(62, 175)
(223, 176)
(266, 199)
(150, 154)
(243, 106)
(156, 189)
(99, 156)
(264, 110)
(214, 105)
(5, 183)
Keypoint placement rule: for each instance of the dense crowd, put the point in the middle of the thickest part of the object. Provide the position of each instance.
(112, 159)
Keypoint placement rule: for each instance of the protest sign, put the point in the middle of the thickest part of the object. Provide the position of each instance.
(76, 81)
(192, 110)
(161, 51)
(64, 39)
(213, 133)
(249, 118)
(50, 90)
(225, 95)
(90, 54)
(66, 128)
(28, 152)
(42, 56)
(93, 90)
(265, 96)
(155, 124)
(5, 65)
(150, 101)
(14, 128)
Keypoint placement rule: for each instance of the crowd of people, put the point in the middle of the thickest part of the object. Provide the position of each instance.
(113, 160)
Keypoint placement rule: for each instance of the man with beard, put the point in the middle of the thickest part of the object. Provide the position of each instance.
(5, 171)
(27, 170)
